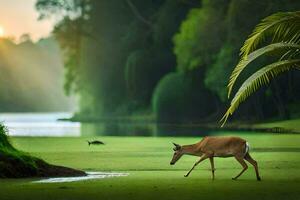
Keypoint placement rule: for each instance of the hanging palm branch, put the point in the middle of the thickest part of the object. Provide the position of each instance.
(282, 26)
(284, 29)
(256, 80)
(287, 48)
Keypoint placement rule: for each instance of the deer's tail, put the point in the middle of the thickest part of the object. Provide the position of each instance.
(247, 148)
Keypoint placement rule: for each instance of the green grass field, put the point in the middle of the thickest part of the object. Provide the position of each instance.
(147, 159)
(292, 124)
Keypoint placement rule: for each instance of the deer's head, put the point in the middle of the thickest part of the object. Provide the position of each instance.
(177, 153)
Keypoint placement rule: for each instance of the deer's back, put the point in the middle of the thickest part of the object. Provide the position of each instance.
(223, 146)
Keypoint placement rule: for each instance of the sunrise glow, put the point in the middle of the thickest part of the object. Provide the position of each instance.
(1, 31)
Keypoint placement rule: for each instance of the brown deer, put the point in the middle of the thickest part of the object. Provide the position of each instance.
(210, 147)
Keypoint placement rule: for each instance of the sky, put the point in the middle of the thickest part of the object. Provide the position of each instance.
(19, 16)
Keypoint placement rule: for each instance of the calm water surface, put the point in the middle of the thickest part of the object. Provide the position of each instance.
(48, 125)
(39, 124)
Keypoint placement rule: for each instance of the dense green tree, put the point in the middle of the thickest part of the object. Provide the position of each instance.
(148, 63)
(118, 52)
(201, 35)
(70, 32)
(216, 75)
(124, 47)
(178, 99)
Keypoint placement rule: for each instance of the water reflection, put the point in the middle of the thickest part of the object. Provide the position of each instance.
(47, 124)
(118, 129)
(90, 176)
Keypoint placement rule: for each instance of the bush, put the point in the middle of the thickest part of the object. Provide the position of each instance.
(179, 98)
(4, 142)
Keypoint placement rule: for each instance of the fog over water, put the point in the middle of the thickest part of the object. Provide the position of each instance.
(39, 124)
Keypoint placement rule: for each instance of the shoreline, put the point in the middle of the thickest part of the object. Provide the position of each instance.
(204, 126)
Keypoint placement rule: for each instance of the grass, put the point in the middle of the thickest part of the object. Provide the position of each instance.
(10, 156)
(151, 177)
(16, 164)
(293, 124)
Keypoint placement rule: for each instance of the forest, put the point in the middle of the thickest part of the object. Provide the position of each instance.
(166, 60)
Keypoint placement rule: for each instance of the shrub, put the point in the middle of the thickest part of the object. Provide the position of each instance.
(179, 98)
(4, 141)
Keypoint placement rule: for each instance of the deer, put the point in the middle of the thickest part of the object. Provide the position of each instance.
(215, 146)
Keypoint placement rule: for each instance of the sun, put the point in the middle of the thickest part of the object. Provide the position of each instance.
(1, 31)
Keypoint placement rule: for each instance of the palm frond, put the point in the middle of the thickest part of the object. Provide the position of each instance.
(295, 38)
(256, 80)
(254, 55)
(281, 26)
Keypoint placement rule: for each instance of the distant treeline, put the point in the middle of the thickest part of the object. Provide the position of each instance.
(172, 58)
(31, 77)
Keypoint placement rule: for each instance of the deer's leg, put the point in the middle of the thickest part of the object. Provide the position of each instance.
(211, 159)
(243, 163)
(254, 163)
(200, 160)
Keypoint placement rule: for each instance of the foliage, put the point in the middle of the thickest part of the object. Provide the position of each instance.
(4, 142)
(191, 103)
(69, 32)
(139, 75)
(217, 75)
(8, 151)
(18, 164)
(146, 71)
(167, 101)
(117, 53)
(211, 36)
(195, 46)
(109, 54)
(62, 8)
(283, 27)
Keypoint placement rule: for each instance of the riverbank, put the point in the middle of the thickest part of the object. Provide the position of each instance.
(21, 165)
(281, 126)
(18, 164)
(293, 125)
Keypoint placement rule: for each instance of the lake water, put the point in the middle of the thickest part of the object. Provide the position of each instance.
(48, 125)
(40, 124)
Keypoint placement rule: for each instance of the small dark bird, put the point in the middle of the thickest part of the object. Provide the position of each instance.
(95, 142)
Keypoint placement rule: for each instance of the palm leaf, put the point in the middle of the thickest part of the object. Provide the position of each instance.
(256, 80)
(254, 55)
(282, 26)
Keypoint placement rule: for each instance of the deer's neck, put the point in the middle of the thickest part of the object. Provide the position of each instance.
(192, 149)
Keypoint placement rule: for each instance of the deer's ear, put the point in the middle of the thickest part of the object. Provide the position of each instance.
(177, 147)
